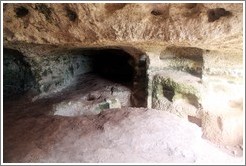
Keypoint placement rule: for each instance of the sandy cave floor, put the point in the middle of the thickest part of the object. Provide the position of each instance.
(132, 135)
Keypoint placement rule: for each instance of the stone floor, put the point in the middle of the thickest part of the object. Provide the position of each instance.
(32, 133)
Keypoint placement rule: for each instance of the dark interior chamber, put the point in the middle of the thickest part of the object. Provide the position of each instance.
(115, 65)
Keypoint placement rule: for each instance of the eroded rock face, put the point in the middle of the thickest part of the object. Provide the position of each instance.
(186, 57)
(18, 77)
(140, 25)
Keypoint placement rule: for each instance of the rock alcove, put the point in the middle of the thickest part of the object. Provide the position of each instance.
(93, 79)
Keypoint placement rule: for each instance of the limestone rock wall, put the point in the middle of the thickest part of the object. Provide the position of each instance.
(212, 26)
(18, 77)
(52, 73)
(205, 87)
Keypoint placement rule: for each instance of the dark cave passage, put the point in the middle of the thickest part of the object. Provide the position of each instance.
(115, 65)
(93, 69)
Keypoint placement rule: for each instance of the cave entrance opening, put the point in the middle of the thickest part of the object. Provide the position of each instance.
(79, 81)
(114, 65)
(100, 79)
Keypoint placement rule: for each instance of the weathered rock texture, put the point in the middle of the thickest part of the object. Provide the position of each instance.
(192, 53)
(18, 77)
(128, 24)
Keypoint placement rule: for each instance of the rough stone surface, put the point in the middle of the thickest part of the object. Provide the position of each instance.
(18, 77)
(54, 72)
(224, 128)
(89, 95)
(203, 41)
(130, 25)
